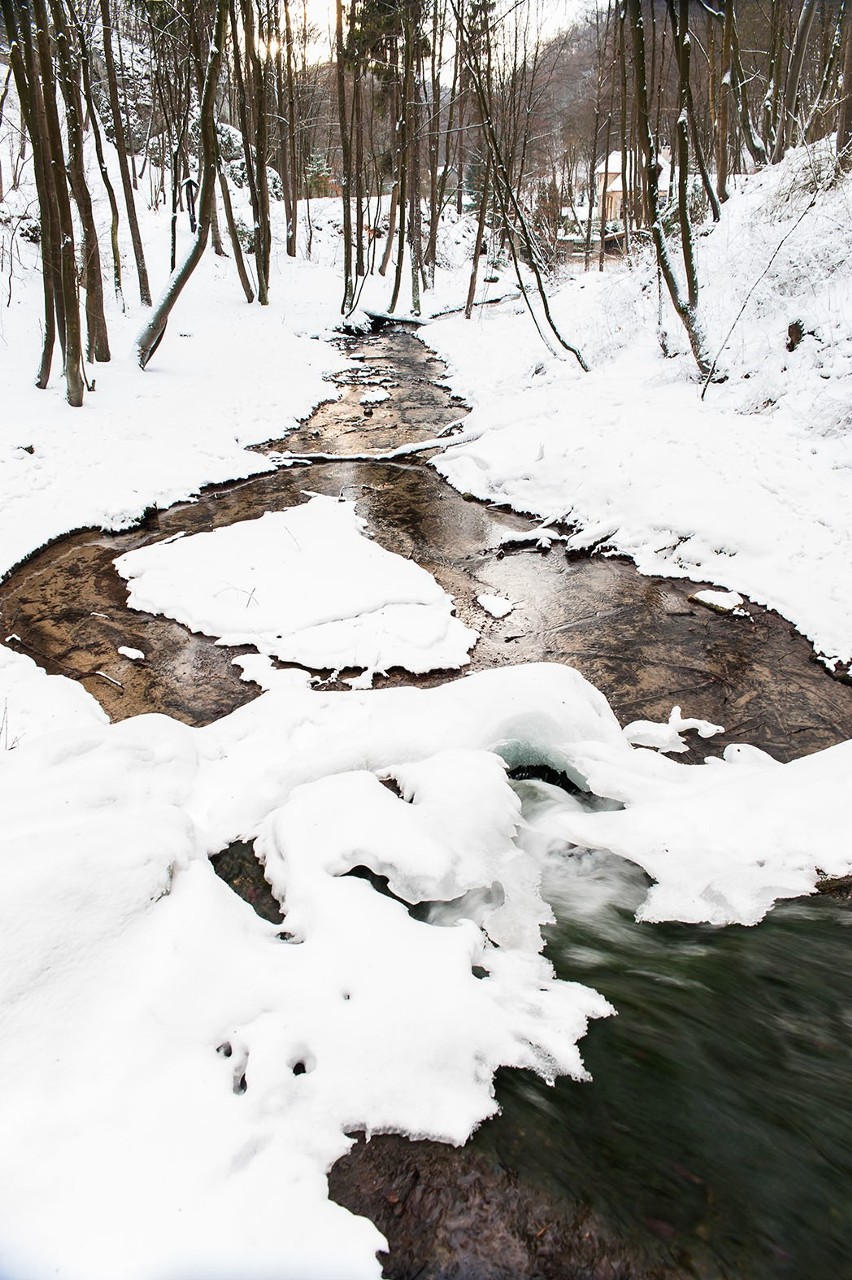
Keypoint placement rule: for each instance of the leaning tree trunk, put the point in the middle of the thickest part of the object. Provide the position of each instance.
(150, 337)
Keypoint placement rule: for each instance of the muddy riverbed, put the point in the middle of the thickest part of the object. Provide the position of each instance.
(581, 1181)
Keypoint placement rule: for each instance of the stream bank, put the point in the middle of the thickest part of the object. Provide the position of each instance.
(647, 647)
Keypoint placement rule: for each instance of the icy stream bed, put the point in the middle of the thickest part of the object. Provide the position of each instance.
(714, 1134)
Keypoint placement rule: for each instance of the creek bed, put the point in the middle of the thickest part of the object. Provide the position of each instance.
(715, 1138)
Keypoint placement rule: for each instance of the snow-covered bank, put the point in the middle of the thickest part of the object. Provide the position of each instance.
(750, 489)
(177, 1078)
(227, 376)
(128, 965)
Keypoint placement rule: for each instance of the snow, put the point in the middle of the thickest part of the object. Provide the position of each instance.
(497, 606)
(305, 586)
(749, 488)
(668, 737)
(720, 601)
(177, 1075)
(135, 655)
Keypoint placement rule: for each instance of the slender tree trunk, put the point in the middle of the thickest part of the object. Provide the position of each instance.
(625, 153)
(755, 145)
(346, 157)
(73, 349)
(607, 140)
(686, 308)
(96, 327)
(480, 235)
(726, 91)
(121, 148)
(257, 81)
(292, 136)
(825, 100)
(236, 247)
(844, 114)
(26, 81)
(794, 76)
(404, 150)
(386, 256)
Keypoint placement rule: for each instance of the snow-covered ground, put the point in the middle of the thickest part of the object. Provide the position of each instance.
(178, 1075)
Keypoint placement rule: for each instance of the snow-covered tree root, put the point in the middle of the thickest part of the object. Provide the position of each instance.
(179, 1075)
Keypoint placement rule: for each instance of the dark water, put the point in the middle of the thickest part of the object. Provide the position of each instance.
(719, 1119)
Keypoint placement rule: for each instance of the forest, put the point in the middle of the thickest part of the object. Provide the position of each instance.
(628, 125)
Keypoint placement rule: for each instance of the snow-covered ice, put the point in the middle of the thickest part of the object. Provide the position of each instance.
(721, 601)
(497, 606)
(134, 655)
(305, 586)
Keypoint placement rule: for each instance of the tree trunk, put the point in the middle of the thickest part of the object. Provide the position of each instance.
(72, 347)
(480, 234)
(26, 81)
(97, 345)
(121, 148)
(346, 158)
(686, 308)
(844, 115)
(150, 337)
(794, 76)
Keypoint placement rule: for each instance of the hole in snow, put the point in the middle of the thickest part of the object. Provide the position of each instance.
(239, 867)
(379, 883)
(544, 773)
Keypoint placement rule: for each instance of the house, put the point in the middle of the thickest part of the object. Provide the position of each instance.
(608, 175)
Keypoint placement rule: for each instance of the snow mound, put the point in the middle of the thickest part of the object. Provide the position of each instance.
(177, 1075)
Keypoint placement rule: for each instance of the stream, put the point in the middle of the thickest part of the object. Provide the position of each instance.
(716, 1139)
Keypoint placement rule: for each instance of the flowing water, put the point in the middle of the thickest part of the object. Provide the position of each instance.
(719, 1119)
(716, 1138)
